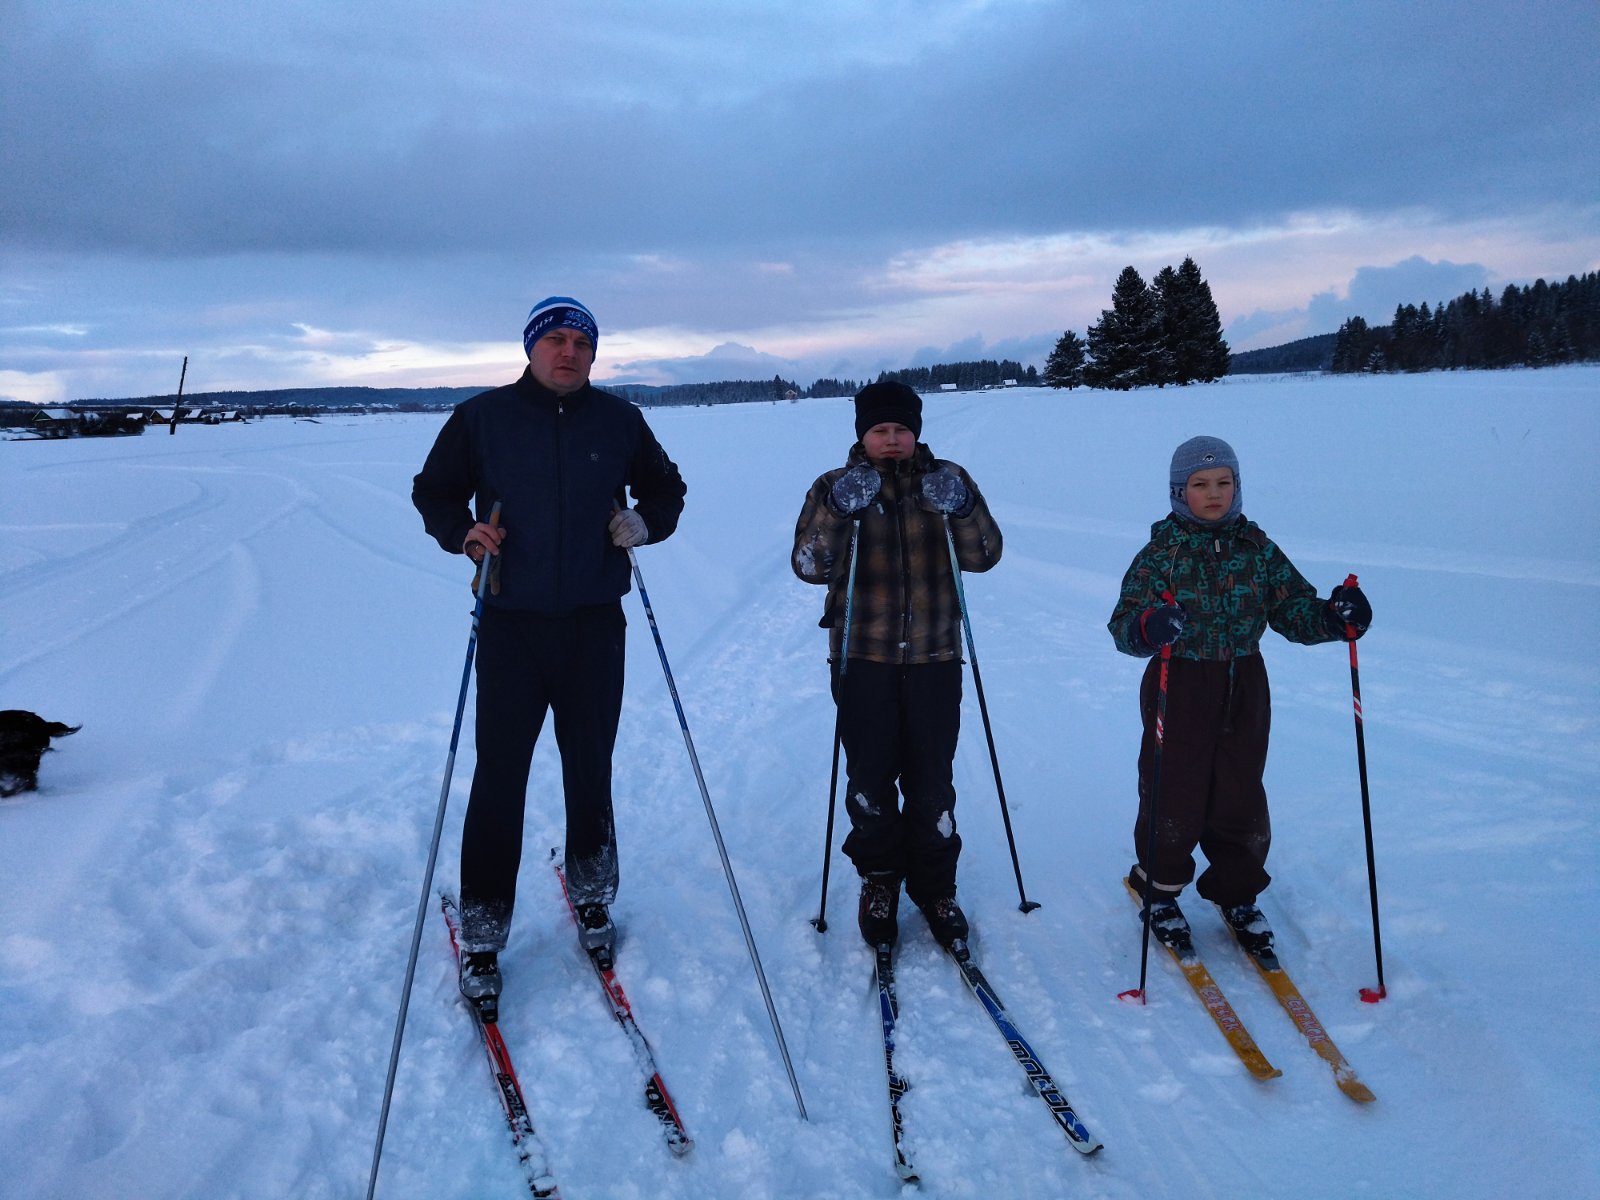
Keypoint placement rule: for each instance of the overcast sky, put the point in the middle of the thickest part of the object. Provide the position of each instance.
(299, 193)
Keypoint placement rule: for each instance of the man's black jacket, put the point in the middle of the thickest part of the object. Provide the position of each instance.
(559, 466)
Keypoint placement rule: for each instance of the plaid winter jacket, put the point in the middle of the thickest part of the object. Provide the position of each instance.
(905, 608)
(1232, 582)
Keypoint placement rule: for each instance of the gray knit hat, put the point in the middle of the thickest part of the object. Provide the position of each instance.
(1202, 454)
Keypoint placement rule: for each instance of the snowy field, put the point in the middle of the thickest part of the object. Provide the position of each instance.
(207, 906)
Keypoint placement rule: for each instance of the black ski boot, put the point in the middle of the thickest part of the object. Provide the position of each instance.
(596, 933)
(480, 982)
(1250, 928)
(879, 910)
(1168, 924)
(946, 922)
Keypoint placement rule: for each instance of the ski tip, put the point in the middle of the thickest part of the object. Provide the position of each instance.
(1357, 1091)
(1132, 996)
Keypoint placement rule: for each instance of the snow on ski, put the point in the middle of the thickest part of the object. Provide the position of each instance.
(1210, 995)
(1306, 1022)
(1060, 1107)
(889, 1014)
(531, 1155)
(656, 1097)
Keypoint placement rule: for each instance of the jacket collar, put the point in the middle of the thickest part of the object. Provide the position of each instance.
(1173, 528)
(920, 462)
(535, 392)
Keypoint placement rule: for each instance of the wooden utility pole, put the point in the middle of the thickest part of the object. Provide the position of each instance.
(177, 409)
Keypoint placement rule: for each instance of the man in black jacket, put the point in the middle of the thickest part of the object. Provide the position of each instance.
(559, 455)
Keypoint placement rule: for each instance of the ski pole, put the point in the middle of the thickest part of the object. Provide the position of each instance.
(716, 833)
(1369, 995)
(838, 724)
(480, 587)
(1025, 904)
(1136, 995)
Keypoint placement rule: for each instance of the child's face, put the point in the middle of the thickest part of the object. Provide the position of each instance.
(889, 440)
(1210, 493)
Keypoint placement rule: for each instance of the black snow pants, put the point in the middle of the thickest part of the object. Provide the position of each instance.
(901, 723)
(530, 664)
(1214, 753)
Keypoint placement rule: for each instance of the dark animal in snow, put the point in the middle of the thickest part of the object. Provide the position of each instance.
(24, 739)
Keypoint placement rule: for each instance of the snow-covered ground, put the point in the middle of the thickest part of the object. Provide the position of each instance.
(206, 908)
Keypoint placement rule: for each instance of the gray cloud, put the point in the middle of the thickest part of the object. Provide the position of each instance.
(347, 130)
(1375, 292)
(180, 176)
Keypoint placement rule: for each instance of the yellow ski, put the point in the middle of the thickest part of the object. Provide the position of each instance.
(1306, 1022)
(1181, 947)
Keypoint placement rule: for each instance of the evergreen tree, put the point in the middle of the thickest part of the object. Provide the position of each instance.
(1125, 344)
(1064, 367)
(1204, 355)
(1352, 347)
(1192, 348)
(1176, 333)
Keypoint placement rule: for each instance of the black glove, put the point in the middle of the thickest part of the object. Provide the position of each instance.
(854, 490)
(944, 491)
(1162, 626)
(1347, 606)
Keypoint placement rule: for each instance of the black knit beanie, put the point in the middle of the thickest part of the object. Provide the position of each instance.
(880, 402)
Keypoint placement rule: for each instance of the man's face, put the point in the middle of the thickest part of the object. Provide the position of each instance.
(561, 360)
(890, 440)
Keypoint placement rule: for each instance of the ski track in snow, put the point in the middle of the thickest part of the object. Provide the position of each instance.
(211, 898)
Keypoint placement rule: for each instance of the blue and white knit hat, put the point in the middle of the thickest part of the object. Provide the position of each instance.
(554, 311)
(1202, 454)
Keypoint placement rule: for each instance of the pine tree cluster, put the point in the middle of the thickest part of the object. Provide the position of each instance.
(1166, 331)
(1536, 326)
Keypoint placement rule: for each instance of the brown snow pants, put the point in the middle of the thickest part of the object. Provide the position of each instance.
(1214, 752)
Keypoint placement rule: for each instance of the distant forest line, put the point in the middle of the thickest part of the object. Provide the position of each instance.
(1541, 324)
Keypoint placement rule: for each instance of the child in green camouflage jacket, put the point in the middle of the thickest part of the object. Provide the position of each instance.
(1207, 585)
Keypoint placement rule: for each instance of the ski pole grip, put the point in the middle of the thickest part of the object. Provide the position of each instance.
(1350, 630)
(494, 523)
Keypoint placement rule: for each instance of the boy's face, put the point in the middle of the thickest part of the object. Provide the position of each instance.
(890, 440)
(1210, 493)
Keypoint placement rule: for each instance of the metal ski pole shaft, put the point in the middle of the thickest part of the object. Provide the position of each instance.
(1370, 995)
(716, 833)
(481, 586)
(1137, 994)
(838, 723)
(820, 921)
(1024, 905)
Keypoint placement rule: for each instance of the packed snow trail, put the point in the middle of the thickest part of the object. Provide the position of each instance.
(208, 904)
